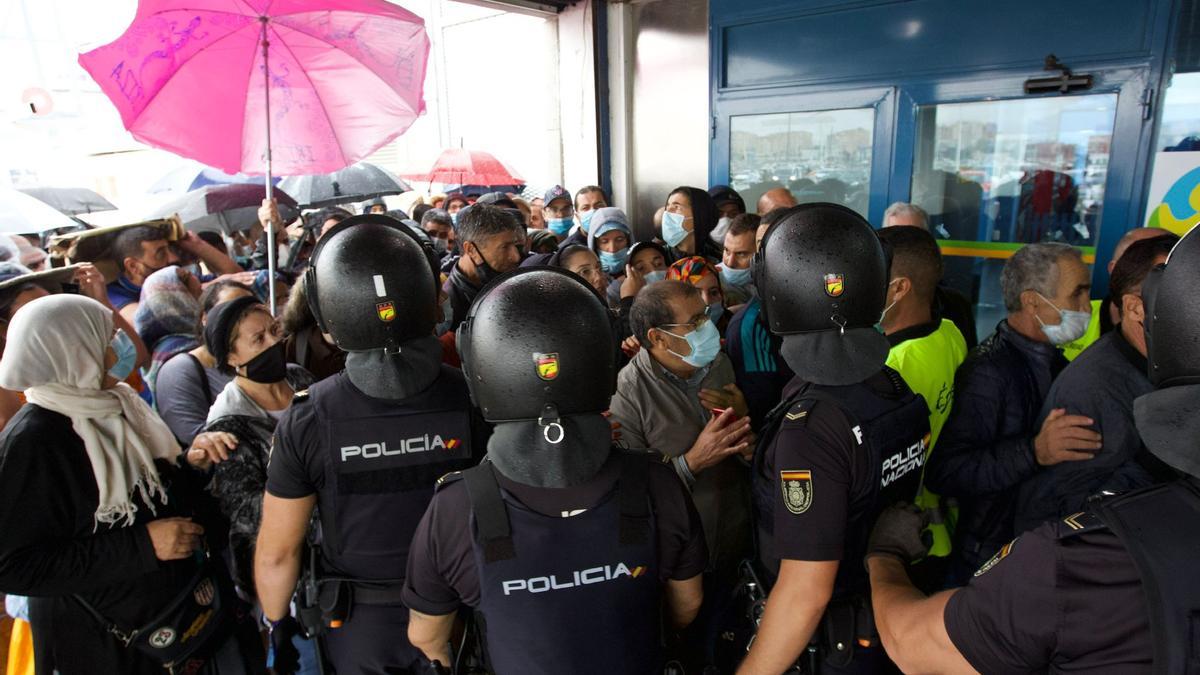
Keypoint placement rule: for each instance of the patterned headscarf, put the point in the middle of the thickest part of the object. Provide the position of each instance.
(166, 319)
(692, 270)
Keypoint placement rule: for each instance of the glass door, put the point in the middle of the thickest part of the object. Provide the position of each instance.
(995, 175)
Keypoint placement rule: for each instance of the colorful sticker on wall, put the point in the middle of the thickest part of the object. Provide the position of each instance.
(1174, 198)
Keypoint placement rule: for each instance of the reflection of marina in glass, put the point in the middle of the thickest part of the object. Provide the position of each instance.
(995, 175)
(819, 156)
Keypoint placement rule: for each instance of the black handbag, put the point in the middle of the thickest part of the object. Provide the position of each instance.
(199, 617)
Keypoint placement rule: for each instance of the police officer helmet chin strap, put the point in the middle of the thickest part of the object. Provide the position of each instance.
(396, 373)
(552, 451)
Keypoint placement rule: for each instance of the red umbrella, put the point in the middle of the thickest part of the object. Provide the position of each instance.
(468, 167)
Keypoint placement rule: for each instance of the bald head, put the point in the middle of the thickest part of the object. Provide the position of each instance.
(775, 198)
(1132, 237)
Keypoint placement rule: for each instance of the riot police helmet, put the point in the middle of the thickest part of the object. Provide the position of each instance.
(1166, 418)
(372, 284)
(536, 344)
(822, 276)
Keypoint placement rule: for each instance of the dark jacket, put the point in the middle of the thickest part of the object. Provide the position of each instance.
(985, 450)
(1100, 383)
(462, 292)
(52, 547)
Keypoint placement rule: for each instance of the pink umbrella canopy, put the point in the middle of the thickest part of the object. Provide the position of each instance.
(468, 167)
(346, 77)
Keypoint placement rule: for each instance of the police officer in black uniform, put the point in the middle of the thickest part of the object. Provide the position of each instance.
(567, 549)
(365, 446)
(1110, 590)
(848, 439)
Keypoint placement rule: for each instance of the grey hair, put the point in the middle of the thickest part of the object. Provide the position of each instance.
(906, 209)
(1033, 268)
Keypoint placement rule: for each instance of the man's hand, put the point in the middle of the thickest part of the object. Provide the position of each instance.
(91, 284)
(899, 534)
(174, 538)
(283, 658)
(211, 447)
(721, 437)
(268, 214)
(632, 283)
(1065, 438)
(728, 396)
(630, 346)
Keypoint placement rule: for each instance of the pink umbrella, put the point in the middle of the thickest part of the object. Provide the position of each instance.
(468, 167)
(256, 86)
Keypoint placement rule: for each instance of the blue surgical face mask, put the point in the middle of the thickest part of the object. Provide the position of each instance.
(454, 218)
(585, 220)
(559, 226)
(672, 228)
(614, 263)
(656, 275)
(704, 343)
(126, 356)
(732, 277)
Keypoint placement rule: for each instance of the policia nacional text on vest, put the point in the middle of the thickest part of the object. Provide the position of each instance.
(891, 425)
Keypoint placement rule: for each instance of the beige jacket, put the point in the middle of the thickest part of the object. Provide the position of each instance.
(655, 413)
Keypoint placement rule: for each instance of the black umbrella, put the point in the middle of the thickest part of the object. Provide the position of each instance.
(71, 201)
(224, 208)
(355, 183)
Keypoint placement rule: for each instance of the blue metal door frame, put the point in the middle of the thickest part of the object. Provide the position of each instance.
(1138, 79)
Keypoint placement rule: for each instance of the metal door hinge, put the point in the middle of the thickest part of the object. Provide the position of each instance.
(1147, 103)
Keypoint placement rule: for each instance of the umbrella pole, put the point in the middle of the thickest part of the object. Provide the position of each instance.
(271, 249)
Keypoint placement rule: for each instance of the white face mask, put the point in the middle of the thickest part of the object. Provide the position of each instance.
(1072, 325)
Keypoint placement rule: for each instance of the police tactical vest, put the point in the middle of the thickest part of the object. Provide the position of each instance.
(566, 595)
(383, 459)
(891, 426)
(1160, 527)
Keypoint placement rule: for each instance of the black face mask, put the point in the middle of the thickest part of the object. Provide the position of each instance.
(269, 366)
(485, 271)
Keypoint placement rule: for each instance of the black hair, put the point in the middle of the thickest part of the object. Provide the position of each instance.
(209, 297)
(128, 244)
(215, 240)
(744, 223)
(913, 253)
(9, 295)
(1135, 264)
(482, 222)
(775, 215)
(335, 213)
(585, 190)
(418, 212)
(652, 307)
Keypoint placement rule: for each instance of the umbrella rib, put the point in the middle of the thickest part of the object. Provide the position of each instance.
(352, 56)
(316, 92)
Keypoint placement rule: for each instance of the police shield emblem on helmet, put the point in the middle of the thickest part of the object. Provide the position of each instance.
(547, 365)
(835, 285)
(162, 638)
(386, 311)
(797, 490)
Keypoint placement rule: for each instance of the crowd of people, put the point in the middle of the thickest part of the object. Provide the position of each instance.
(460, 428)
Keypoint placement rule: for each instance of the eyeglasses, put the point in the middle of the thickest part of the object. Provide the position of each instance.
(694, 324)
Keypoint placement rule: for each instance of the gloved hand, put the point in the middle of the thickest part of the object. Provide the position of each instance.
(282, 657)
(900, 534)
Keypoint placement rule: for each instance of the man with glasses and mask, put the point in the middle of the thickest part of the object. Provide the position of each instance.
(144, 250)
(491, 240)
(677, 397)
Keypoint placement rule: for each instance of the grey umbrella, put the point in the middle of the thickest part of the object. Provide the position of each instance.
(71, 201)
(224, 208)
(356, 183)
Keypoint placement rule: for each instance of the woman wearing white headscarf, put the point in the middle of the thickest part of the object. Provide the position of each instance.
(90, 501)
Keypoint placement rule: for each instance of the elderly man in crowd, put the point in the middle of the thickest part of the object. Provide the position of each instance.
(992, 443)
(776, 198)
(1101, 385)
